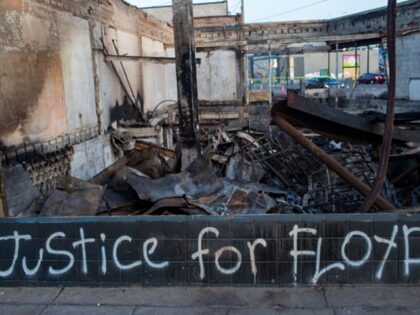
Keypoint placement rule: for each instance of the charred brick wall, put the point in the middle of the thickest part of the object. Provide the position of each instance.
(285, 250)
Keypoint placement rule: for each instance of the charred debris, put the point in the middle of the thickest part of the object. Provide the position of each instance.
(312, 159)
(242, 171)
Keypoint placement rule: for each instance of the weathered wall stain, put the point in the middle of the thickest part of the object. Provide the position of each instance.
(31, 97)
(46, 79)
(31, 82)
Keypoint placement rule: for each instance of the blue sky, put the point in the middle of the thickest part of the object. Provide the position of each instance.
(285, 10)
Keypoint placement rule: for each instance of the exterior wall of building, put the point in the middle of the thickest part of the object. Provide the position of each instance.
(136, 34)
(211, 9)
(32, 101)
(159, 79)
(408, 67)
(164, 13)
(217, 75)
(77, 70)
(55, 82)
(218, 20)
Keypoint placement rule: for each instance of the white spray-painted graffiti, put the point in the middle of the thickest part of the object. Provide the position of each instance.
(149, 247)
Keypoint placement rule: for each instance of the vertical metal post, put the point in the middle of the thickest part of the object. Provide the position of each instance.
(329, 75)
(245, 76)
(186, 70)
(356, 65)
(246, 84)
(251, 65)
(241, 81)
(302, 92)
(287, 72)
(270, 83)
(336, 74)
(383, 52)
(329, 64)
(240, 74)
(368, 59)
(279, 69)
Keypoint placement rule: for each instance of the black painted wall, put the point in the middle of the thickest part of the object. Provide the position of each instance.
(159, 250)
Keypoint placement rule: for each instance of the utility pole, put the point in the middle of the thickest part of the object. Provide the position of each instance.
(356, 65)
(378, 184)
(186, 70)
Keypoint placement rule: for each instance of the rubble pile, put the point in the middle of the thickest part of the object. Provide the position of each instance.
(246, 172)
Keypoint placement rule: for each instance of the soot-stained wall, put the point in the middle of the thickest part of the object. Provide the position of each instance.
(217, 75)
(54, 80)
(32, 101)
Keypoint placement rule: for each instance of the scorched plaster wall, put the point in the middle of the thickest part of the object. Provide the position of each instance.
(55, 81)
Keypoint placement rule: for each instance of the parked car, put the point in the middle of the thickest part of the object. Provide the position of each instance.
(371, 78)
(323, 82)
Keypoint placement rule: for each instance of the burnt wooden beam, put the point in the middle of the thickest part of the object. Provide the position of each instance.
(143, 145)
(186, 71)
(163, 60)
(159, 60)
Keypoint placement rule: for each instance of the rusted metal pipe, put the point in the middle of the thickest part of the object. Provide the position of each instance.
(390, 112)
(324, 158)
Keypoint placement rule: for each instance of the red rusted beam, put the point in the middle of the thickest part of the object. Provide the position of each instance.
(390, 112)
(324, 158)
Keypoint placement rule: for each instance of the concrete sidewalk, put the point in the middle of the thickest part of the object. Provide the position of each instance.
(213, 300)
